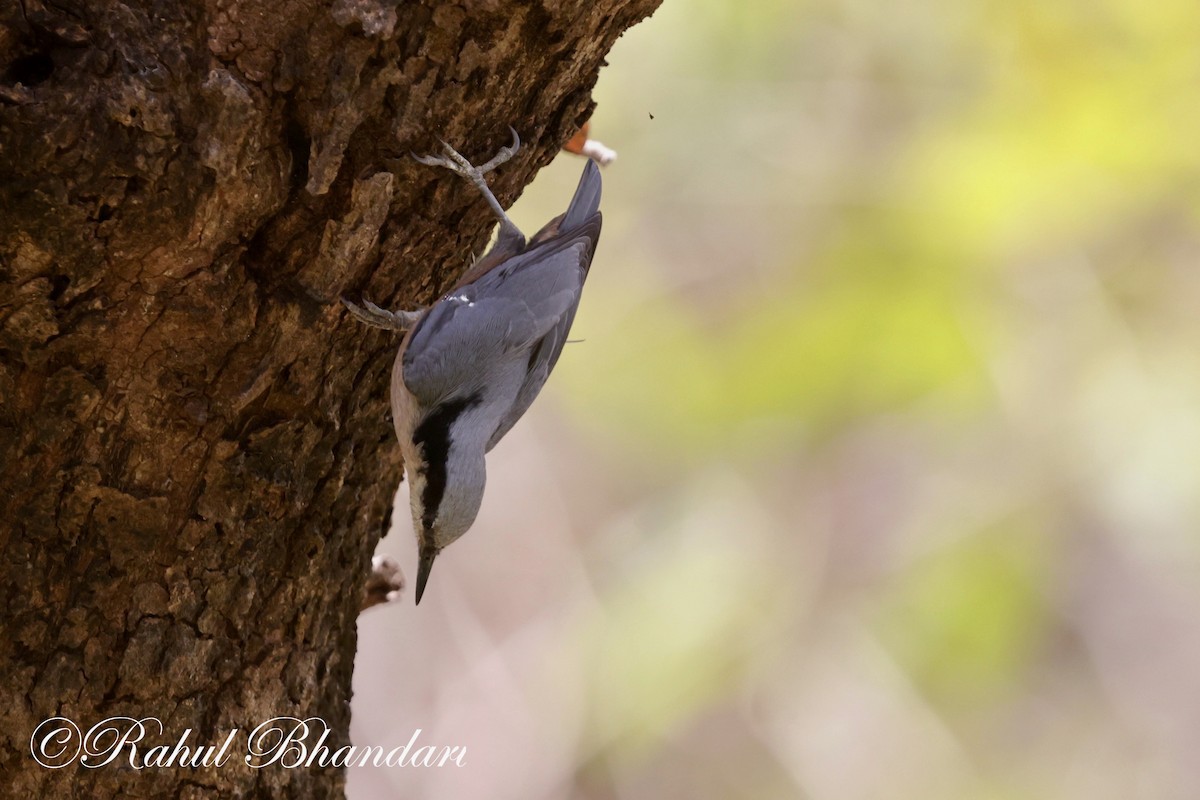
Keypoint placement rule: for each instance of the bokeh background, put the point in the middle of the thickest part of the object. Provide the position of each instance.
(877, 471)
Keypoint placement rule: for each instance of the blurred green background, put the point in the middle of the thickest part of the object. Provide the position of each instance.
(876, 473)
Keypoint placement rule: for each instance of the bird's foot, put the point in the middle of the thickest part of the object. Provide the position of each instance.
(457, 163)
(377, 317)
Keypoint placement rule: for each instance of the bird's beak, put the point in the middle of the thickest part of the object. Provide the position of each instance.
(428, 554)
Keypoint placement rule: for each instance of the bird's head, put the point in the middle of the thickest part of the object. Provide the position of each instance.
(446, 481)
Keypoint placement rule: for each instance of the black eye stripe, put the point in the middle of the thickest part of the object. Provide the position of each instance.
(433, 437)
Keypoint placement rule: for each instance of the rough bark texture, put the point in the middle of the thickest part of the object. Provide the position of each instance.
(196, 454)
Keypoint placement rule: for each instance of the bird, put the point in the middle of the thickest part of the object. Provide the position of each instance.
(470, 365)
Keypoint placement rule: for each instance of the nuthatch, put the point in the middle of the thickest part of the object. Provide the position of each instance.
(471, 364)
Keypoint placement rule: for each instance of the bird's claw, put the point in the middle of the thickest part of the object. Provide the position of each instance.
(456, 162)
(377, 317)
(504, 154)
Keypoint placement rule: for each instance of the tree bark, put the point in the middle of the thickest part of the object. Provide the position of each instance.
(196, 453)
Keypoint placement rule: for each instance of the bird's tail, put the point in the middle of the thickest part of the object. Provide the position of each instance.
(586, 201)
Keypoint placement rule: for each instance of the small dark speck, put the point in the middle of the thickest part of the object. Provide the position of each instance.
(651, 116)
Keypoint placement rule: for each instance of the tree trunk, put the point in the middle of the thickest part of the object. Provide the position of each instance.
(196, 453)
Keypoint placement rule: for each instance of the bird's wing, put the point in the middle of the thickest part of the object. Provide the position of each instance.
(516, 306)
(542, 358)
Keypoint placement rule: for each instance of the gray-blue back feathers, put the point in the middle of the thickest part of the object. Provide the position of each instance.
(502, 333)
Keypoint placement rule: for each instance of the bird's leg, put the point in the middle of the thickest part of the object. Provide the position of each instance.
(377, 317)
(454, 162)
